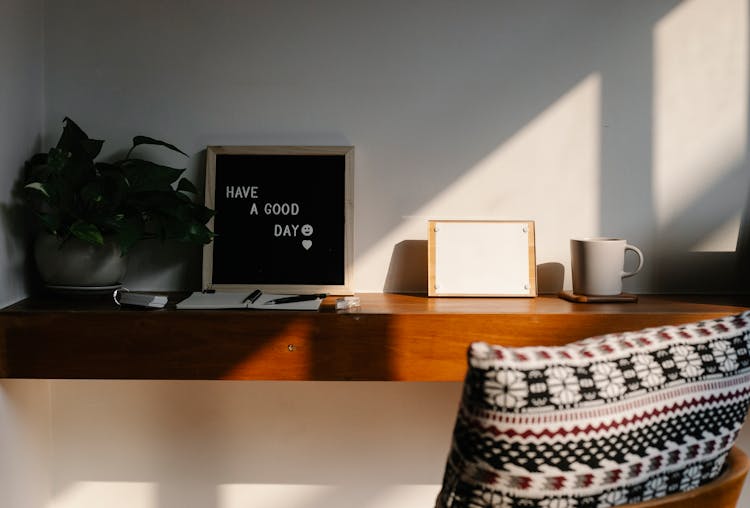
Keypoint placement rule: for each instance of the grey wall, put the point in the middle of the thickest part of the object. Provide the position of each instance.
(24, 420)
(21, 120)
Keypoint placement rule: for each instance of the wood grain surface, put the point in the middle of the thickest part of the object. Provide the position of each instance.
(723, 492)
(390, 337)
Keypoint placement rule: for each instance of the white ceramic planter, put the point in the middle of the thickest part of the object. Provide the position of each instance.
(77, 263)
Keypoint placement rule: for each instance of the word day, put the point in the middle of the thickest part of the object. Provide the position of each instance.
(292, 230)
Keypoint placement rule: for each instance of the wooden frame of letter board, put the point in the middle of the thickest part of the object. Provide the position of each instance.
(347, 152)
(490, 291)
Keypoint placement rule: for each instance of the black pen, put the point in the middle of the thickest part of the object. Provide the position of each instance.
(253, 296)
(295, 298)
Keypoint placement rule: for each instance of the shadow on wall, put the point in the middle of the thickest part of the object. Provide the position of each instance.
(408, 271)
(19, 229)
(205, 444)
(642, 172)
(680, 267)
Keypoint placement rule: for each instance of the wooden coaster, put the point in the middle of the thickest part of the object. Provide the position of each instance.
(621, 298)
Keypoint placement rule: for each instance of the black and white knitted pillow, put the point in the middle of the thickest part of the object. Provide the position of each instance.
(608, 420)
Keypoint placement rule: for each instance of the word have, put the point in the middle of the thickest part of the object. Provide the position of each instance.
(247, 191)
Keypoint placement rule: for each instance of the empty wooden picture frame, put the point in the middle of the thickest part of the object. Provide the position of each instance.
(481, 258)
(283, 218)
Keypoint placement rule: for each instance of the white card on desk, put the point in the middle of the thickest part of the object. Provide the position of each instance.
(255, 300)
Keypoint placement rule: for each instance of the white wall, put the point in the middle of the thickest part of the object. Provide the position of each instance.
(589, 117)
(218, 444)
(21, 121)
(25, 468)
(24, 472)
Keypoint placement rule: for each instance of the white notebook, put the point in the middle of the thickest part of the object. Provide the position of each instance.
(255, 300)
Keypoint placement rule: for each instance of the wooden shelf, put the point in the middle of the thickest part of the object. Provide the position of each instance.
(391, 337)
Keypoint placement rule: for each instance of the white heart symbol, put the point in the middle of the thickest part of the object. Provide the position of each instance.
(307, 244)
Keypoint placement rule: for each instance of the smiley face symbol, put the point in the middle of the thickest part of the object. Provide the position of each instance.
(307, 230)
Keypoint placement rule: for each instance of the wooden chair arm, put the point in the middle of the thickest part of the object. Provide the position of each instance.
(723, 492)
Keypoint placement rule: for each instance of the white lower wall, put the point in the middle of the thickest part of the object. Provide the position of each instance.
(215, 444)
(24, 443)
(23, 406)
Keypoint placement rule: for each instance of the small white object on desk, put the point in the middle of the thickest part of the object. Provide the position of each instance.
(347, 302)
(124, 296)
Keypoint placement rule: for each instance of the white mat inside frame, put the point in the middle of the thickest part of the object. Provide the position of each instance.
(481, 258)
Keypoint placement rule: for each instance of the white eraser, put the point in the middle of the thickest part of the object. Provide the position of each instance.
(347, 302)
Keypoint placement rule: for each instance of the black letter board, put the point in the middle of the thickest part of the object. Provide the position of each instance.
(283, 218)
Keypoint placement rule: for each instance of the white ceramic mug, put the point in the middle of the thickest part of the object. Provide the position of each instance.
(598, 265)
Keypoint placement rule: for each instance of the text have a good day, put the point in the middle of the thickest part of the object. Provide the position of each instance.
(273, 209)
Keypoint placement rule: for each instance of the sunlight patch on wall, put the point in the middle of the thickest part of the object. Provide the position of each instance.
(722, 238)
(548, 171)
(89, 494)
(331, 496)
(552, 159)
(278, 496)
(700, 120)
(404, 495)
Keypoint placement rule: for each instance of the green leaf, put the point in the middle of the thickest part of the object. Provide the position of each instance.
(114, 186)
(186, 185)
(39, 186)
(200, 233)
(112, 222)
(87, 232)
(92, 147)
(76, 168)
(77, 142)
(38, 173)
(145, 140)
(75, 196)
(39, 159)
(92, 193)
(130, 232)
(50, 222)
(58, 159)
(148, 176)
(201, 213)
(71, 137)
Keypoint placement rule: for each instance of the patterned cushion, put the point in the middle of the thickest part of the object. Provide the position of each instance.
(608, 420)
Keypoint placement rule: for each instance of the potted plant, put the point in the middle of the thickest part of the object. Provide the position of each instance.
(93, 212)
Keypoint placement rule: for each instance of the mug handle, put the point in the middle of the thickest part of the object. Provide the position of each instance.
(640, 261)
